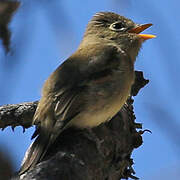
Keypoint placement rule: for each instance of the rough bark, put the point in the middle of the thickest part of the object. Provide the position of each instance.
(17, 115)
(103, 153)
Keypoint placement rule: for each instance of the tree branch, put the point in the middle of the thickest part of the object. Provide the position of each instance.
(17, 115)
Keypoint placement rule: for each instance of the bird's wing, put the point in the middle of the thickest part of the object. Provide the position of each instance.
(56, 108)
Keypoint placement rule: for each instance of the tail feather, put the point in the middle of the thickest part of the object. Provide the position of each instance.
(35, 153)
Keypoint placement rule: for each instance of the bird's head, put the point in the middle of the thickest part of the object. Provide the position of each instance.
(108, 27)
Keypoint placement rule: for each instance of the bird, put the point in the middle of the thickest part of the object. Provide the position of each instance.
(91, 86)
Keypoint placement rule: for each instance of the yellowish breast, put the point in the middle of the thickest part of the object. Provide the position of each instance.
(104, 101)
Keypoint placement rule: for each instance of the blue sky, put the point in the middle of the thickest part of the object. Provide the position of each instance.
(45, 33)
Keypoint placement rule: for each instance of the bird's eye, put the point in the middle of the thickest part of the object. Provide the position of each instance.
(117, 26)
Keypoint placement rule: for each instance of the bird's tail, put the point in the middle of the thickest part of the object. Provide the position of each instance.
(35, 152)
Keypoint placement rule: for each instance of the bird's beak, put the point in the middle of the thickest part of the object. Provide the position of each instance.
(140, 28)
